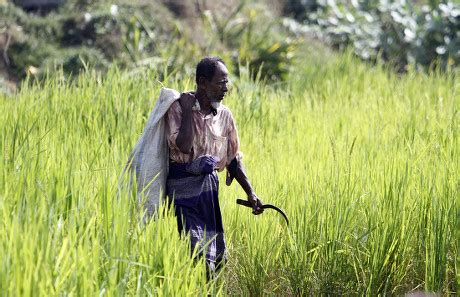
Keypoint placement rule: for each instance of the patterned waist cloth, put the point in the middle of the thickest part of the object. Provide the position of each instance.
(193, 188)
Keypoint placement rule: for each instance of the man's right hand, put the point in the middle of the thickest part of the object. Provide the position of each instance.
(256, 204)
(187, 100)
(184, 140)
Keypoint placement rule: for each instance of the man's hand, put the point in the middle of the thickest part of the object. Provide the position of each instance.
(184, 140)
(256, 204)
(187, 100)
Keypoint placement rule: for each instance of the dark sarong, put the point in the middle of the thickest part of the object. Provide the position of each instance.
(193, 188)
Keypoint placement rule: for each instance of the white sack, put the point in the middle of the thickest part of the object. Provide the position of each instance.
(149, 159)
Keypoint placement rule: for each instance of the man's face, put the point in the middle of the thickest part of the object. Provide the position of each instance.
(217, 87)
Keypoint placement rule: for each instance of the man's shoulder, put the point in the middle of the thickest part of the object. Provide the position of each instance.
(226, 114)
(224, 109)
(175, 106)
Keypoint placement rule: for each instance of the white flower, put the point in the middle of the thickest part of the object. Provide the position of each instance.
(88, 17)
(441, 50)
(350, 17)
(114, 9)
(409, 35)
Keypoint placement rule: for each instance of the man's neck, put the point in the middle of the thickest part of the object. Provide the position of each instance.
(205, 104)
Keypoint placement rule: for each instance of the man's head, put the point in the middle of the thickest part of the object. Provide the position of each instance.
(212, 78)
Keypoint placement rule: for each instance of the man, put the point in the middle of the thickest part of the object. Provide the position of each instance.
(202, 139)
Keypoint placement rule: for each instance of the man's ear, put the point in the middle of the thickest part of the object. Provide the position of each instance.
(201, 81)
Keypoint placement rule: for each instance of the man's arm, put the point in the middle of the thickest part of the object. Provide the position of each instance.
(186, 134)
(236, 169)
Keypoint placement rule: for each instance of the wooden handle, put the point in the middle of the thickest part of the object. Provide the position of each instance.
(244, 202)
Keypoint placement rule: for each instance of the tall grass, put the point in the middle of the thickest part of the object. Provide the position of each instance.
(364, 162)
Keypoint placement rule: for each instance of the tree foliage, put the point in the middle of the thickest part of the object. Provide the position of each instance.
(398, 31)
(139, 35)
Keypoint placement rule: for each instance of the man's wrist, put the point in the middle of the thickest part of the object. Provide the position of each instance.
(251, 193)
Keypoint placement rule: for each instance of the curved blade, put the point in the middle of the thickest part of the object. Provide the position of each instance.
(265, 206)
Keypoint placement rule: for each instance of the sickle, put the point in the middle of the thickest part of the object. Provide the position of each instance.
(265, 206)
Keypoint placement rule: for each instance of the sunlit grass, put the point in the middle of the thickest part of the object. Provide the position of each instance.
(364, 162)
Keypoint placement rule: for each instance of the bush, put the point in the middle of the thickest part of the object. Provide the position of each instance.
(257, 41)
(301, 9)
(395, 30)
(148, 35)
(79, 33)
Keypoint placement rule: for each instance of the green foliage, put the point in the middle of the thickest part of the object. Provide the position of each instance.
(81, 33)
(256, 40)
(145, 35)
(397, 31)
(301, 9)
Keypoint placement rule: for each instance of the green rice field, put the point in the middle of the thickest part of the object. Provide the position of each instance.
(364, 161)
